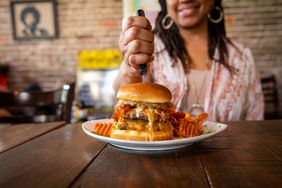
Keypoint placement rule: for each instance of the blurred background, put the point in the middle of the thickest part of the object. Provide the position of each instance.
(76, 36)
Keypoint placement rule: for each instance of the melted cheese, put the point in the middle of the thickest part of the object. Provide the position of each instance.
(151, 118)
(140, 125)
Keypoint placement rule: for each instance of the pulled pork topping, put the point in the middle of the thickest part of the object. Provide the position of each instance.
(162, 106)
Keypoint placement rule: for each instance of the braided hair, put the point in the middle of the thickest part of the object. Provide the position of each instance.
(175, 44)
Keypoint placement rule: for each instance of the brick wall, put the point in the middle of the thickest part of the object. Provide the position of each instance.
(258, 25)
(83, 24)
(95, 24)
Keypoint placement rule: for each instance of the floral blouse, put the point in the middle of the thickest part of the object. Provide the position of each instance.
(227, 98)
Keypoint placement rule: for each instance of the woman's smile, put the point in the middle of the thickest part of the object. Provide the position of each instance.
(186, 11)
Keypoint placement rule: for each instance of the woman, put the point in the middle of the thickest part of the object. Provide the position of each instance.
(204, 70)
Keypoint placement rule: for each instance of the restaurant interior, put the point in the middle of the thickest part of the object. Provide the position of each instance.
(81, 47)
(59, 110)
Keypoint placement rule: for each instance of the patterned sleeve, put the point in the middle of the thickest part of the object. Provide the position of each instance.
(255, 108)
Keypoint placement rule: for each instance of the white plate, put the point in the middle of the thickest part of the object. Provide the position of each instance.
(209, 128)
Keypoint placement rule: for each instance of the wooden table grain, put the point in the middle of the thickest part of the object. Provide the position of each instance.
(14, 135)
(246, 154)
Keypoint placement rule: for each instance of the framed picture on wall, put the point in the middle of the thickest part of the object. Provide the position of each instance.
(34, 19)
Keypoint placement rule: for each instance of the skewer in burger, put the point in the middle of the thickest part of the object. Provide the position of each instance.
(142, 113)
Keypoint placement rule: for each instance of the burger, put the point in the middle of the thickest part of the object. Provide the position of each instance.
(142, 113)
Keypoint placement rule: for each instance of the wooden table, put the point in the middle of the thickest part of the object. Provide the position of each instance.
(246, 154)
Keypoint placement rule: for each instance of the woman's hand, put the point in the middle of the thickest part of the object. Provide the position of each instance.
(136, 43)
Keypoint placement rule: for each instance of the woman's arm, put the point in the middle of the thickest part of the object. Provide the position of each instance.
(126, 75)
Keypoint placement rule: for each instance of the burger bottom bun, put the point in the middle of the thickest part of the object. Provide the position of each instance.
(141, 135)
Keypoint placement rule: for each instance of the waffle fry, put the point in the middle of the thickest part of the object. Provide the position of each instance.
(189, 127)
(102, 128)
(199, 119)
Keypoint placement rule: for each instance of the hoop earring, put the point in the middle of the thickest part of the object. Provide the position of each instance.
(166, 25)
(219, 19)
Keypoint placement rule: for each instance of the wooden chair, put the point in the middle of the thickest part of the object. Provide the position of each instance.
(38, 107)
(271, 99)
